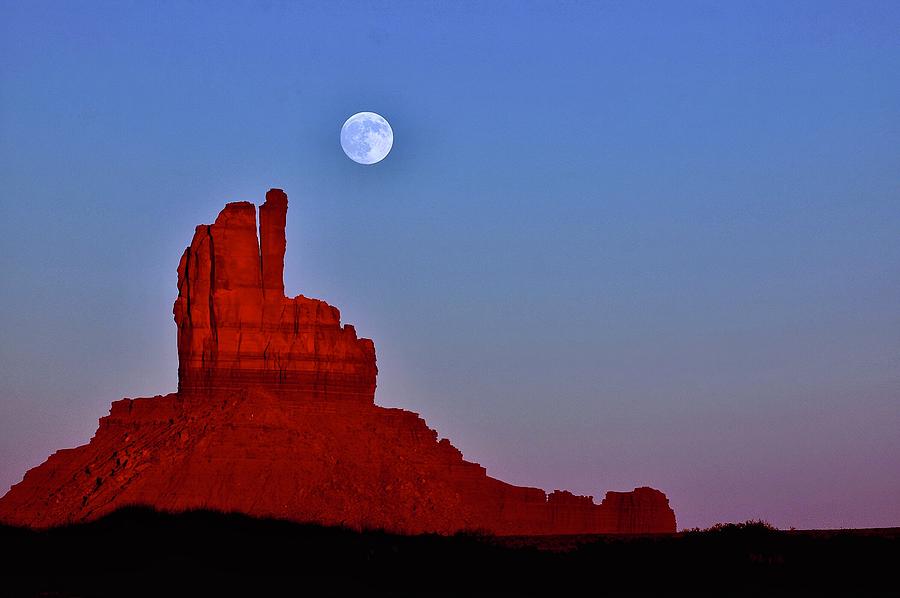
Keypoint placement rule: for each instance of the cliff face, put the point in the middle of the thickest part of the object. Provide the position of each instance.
(236, 329)
(275, 416)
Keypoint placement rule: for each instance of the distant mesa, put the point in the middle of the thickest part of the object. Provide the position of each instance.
(275, 416)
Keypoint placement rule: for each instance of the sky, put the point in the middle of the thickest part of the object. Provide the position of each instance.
(615, 244)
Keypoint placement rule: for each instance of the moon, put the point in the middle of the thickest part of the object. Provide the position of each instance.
(367, 137)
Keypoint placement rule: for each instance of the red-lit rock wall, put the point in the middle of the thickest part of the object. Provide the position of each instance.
(237, 329)
(275, 417)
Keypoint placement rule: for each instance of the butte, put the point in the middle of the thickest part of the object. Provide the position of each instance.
(275, 416)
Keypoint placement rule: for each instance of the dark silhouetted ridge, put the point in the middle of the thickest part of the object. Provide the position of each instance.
(141, 552)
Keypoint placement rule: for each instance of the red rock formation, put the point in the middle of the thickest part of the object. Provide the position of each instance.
(275, 416)
(236, 328)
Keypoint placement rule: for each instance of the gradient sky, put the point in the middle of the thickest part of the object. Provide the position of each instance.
(615, 244)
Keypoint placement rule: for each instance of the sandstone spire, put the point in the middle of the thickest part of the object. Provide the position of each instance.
(237, 329)
(272, 244)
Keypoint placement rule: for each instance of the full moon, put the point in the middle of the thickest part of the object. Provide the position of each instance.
(367, 137)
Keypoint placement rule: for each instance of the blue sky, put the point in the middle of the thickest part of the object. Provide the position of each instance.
(614, 244)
